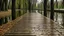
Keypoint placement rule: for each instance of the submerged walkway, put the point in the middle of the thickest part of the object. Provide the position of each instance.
(34, 24)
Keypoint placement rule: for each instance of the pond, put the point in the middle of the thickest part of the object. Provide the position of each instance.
(58, 16)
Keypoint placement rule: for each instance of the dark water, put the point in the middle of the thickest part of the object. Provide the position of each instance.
(58, 17)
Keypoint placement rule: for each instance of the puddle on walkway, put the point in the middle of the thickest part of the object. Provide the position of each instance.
(58, 17)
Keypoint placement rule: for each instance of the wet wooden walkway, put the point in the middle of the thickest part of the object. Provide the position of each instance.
(35, 24)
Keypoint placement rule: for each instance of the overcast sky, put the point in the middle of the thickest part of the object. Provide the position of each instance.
(38, 1)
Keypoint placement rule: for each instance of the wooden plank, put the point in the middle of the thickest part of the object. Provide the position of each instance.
(5, 27)
(35, 24)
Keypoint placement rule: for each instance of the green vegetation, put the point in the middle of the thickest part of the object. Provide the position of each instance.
(3, 7)
(19, 7)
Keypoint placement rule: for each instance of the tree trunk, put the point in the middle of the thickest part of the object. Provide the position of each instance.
(6, 8)
(9, 4)
(63, 14)
(63, 20)
(2, 9)
(0, 4)
(52, 17)
(45, 8)
(19, 7)
(13, 10)
(23, 6)
(29, 6)
(56, 4)
(63, 4)
(1, 21)
(6, 5)
(52, 10)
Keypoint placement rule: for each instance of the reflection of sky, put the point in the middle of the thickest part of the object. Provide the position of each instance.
(8, 0)
(38, 1)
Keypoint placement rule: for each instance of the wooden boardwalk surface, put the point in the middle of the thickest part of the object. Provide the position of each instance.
(35, 24)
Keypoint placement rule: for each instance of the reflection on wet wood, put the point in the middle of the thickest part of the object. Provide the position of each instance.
(35, 24)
